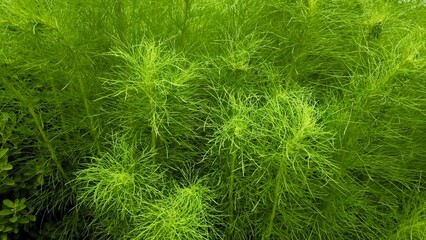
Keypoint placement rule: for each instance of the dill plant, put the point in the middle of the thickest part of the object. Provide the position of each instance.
(412, 225)
(33, 23)
(186, 214)
(370, 128)
(298, 158)
(43, 67)
(299, 119)
(118, 185)
(152, 99)
(270, 151)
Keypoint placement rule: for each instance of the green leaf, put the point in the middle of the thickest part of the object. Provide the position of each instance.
(13, 219)
(8, 203)
(32, 218)
(3, 152)
(3, 175)
(40, 179)
(8, 182)
(3, 236)
(23, 221)
(7, 167)
(21, 204)
(5, 212)
(4, 117)
(21, 207)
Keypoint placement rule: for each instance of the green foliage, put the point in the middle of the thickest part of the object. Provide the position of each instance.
(5, 166)
(17, 213)
(13, 214)
(203, 119)
(117, 185)
(276, 154)
(186, 214)
(156, 82)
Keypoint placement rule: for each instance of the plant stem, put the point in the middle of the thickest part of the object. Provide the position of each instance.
(87, 108)
(153, 143)
(48, 144)
(82, 89)
(231, 191)
(41, 130)
(61, 115)
(298, 50)
(277, 191)
(122, 21)
(186, 12)
(154, 137)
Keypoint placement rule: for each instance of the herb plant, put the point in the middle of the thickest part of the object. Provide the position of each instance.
(203, 119)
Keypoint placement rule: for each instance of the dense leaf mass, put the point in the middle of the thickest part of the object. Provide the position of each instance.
(212, 119)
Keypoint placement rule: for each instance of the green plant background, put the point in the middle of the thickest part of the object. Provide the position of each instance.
(212, 119)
